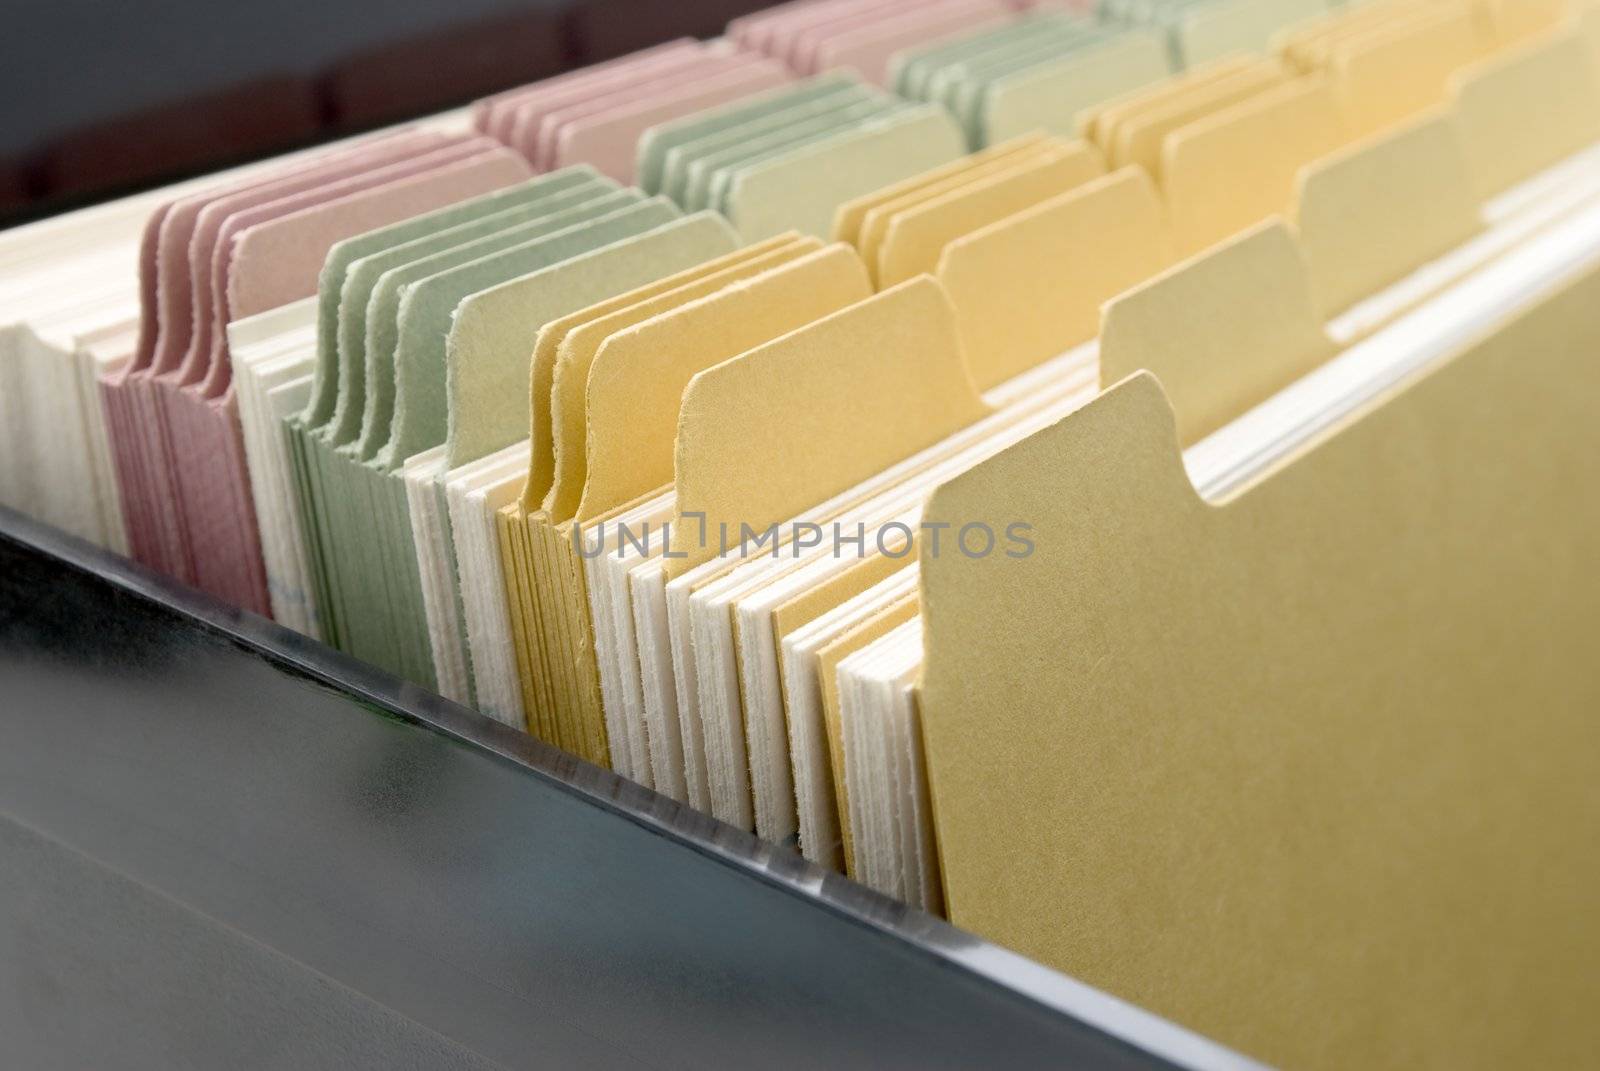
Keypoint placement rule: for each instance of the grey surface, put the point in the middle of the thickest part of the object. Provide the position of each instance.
(226, 846)
(95, 968)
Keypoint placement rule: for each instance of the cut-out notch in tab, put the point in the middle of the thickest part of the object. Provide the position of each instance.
(1222, 332)
(792, 423)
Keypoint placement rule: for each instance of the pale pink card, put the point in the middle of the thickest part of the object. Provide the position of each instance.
(493, 115)
(868, 51)
(261, 272)
(609, 140)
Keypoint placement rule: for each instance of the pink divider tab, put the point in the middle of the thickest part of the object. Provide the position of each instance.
(867, 51)
(496, 115)
(184, 232)
(270, 262)
(126, 458)
(776, 38)
(538, 112)
(278, 261)
(211, 251)
(609, 140)
(746, 30)
(801, 47)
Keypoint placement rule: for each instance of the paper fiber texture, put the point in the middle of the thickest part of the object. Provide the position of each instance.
(636, 389)
(637, 382)
(1221, 332)
(850, 216)
(491, 341)
(1031, 286)
(709, 178)
(1138, 138)
(354, 423)
(854, 392)
(915, 237)
(801, 190)
(691, 176)
(1238, 166)
(1350, 711)
(428, 311)
(376, 587)
(878, 211)
(411, 266)
(553, 336)
(175, 296)
(1050, 97)
(343, 256)
(271, 261)
(1209, 31)
(579, 351)
(1369, 214)
(252, 274)
(1524, 109)
(663, 138)
(558, 290)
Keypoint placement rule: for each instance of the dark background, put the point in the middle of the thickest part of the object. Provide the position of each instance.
(102, 97)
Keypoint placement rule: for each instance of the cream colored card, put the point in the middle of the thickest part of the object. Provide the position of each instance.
(1029, 287)
(915, 236)
(802, 190)
(1050, 97)
(1349, 709)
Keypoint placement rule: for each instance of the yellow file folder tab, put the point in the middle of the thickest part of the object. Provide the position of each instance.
(1238, 166)
(849, 217)
(1208, 31)
(1395, 70)
(1051, 97)
(852, 394)
(639, 376)
(915, 236)
(1221, 332)
(875, 220)
(1099, 123)
(1337, 729)
(1137, 138)
(628, 414)
(1030, 287)
(1303, 46)
(579, 348)
(542, 459)
(1373, 212)
(1524, 109)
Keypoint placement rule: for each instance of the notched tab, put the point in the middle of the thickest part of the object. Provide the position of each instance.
(1527, 108)
(1236, 167)
(794, 422)
(1222, 332)
(1371, 214)
(1030, 287)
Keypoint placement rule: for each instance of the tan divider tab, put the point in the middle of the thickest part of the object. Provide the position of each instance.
(637, 381)
(1030, 287)
(1371, 214)
(807, 416)
(1525, 109)
(1238, 166)
(1222, 332)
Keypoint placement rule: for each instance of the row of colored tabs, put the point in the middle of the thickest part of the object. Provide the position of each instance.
(785, 438)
